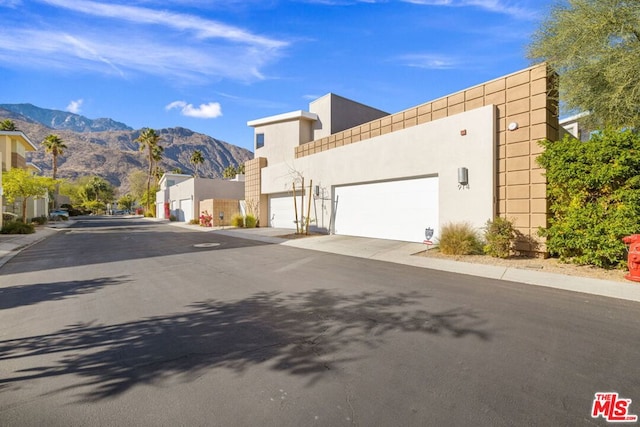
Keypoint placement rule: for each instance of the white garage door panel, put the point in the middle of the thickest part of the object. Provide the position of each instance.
(186, 210)
(397, 210)
(281, 211)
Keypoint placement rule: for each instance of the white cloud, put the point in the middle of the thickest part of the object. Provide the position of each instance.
(126, 41)
(429, 61)
(204, 111)
(74, 106)
(497, 6)
(203, 28)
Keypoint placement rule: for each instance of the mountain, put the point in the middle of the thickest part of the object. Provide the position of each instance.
(60, 120)
(113, 154)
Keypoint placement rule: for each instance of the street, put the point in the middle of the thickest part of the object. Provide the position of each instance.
(124, 321)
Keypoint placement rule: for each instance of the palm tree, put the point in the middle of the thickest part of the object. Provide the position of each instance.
(54, 145)
(149, 139)
(196, 159)
(8, 125)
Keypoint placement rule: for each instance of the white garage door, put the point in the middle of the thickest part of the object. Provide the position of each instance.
(185, 212)
(281, 211)
(396, 210)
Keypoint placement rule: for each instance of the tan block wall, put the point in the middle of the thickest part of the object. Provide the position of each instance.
(257, 203)
(229, 207)
(523, 97)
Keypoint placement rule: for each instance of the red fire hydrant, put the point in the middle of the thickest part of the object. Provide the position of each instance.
(633, 260)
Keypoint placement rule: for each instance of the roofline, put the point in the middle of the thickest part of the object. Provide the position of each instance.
(21, 134)
(33, 165)
(574, 117)
(285, 117)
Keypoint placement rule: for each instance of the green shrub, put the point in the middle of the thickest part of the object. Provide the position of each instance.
(194, 222)
(500, 235)
(250, 221)
(17, 227)
(173, 218)
(594, 196)
(149, 215)
(237, 221)
(40, 220)
(459, 239)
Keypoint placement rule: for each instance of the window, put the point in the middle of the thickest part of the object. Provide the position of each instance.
(259, 140)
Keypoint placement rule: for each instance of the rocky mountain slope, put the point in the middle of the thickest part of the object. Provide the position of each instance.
(112, 152)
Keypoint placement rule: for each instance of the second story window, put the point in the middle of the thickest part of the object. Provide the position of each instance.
(259, 140)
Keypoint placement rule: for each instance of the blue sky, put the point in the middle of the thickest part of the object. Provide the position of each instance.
(213, 65)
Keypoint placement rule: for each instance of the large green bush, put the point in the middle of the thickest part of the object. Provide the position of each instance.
(594, 196)
(17, 227)
(459, 239)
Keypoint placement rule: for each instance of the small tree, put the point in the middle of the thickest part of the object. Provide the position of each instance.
(18, 183)
(126, 202)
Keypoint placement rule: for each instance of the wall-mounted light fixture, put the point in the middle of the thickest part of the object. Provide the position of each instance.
(316, 190)
(463, 176)
(463, 132)
(513, 126)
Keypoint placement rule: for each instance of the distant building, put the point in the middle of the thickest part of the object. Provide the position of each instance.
(181, 195)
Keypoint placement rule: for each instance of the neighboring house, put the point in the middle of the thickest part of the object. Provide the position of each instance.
(575, 126)
(37, 206)
(180, 195)
(466, 157)
(13, 148)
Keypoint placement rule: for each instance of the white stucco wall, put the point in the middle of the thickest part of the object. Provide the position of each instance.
(198, 189)
(436, 148)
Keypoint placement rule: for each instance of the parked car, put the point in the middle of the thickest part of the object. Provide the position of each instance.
(59, 214)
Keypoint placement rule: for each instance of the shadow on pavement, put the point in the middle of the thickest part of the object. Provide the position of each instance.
(306, 334)
(16, 296)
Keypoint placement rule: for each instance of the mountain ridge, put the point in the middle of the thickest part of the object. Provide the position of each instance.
(113, 154)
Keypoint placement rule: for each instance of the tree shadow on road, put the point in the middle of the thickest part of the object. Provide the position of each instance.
(305, 334)
(16, 296)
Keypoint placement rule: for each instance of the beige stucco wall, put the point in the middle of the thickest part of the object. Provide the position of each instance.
(281, 138)
(336, 114)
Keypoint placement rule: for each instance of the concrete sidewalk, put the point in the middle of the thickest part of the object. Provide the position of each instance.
(377, 249)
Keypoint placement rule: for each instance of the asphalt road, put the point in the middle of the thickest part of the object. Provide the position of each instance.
(127, 322)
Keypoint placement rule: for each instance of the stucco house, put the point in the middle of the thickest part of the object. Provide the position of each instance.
(181, 195)
(465, 157)
(13, 148)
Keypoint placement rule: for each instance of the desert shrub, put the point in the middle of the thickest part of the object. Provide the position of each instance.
(237, 221)
(149, 215)
(594, 196)
(459, 239)
(250, 221)
(194, 222)
(500, 235)
(172, 218)
(40, 220)
(206, 219)
(17, 227)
